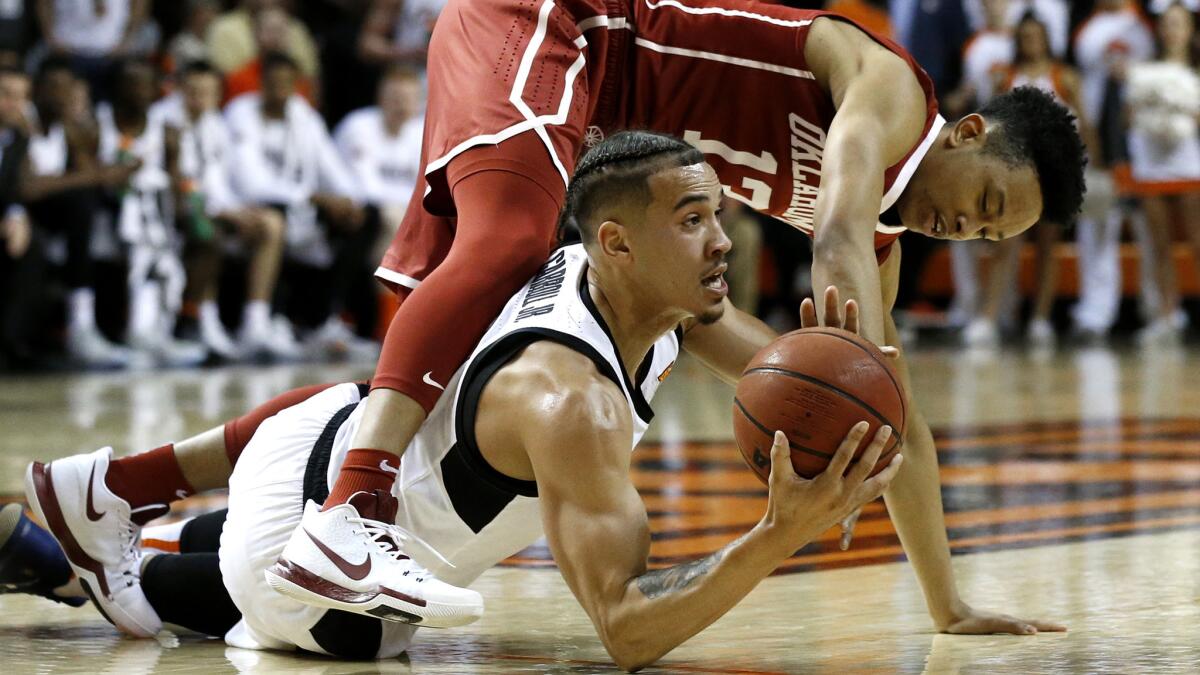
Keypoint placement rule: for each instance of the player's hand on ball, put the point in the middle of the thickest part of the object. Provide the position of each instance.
(833, 317)
(969, 621)
(805, 508)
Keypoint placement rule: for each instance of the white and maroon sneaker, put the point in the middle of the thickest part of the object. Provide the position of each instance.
(351, 557)
(98, 534)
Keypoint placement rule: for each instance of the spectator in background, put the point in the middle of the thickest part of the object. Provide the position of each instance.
(988, 52)
(1163, 98)
(215, 223)
(1114, 35)
(20, 282)
(382, 146)
(129, 134)
(397, 31)
(284, 158)
(986, 59)
(1054, 14)
(94, 34)
(59, 182)
(232, 43)
(1033, 65)
(270, 35)
(190, 45)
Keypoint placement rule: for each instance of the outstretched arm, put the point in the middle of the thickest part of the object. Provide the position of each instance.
(914, 502)
(881, 112)
(577, 441)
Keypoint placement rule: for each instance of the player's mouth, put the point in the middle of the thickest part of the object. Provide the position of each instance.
(714, 281)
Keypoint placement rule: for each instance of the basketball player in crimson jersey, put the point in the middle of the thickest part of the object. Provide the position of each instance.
(804, 116)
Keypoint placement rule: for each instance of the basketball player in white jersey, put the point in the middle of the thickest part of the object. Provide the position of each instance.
(532, 438)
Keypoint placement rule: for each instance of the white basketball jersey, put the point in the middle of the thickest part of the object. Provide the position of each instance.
(449, 495)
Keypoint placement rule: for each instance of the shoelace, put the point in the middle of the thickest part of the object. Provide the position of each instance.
(381, 533)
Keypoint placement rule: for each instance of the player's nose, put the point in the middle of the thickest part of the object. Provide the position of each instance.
(721, 244)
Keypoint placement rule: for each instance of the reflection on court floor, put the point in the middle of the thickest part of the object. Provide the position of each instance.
(1071, 484)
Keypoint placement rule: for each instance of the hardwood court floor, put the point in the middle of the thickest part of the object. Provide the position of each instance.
(1071, 482)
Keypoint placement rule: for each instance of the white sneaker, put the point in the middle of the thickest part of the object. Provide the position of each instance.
(217, 341)
(1041, 333)
(1162, 332)
(168, 352)
(981, 333)
(334, 339)
(315, 567)
(90, 348)
(96, 531)
(275, 340)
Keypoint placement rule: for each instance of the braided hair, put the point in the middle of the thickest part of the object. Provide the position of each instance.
(616, 171)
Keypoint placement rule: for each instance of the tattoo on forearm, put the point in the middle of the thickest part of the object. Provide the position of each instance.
(657, 583)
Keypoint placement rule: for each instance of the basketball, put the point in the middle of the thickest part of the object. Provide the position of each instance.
(814, 384)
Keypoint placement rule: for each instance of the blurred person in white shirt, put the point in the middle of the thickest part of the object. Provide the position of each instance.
(1115, 35)
(215, 222)
(284, 158)
(382, 146)
(129, 134)
(1163, 104)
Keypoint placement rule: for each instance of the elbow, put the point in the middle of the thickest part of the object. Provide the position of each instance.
(630, 645)
(629, 656)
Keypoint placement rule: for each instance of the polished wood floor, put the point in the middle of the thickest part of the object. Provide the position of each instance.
(1071, 482)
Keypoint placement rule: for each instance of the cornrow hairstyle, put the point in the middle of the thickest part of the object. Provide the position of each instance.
(616, 170)
(1034, 129)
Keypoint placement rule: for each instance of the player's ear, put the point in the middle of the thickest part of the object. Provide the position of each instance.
(612, 238)
(971, 128)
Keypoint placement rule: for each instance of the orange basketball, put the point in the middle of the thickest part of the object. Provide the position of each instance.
(814, 384)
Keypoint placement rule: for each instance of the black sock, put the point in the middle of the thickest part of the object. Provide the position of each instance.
(202, 534)
(186, 590)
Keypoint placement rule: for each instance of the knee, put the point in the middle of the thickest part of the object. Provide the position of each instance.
(271, 227)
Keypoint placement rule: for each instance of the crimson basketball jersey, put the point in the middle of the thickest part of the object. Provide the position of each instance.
(728, 76)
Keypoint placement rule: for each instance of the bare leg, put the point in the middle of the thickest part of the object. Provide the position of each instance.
(1158, 225)
(1046, 238)
(1190, 210)
(265, 231)
(1002, 275)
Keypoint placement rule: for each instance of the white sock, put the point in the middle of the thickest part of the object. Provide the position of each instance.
(144, 307)
(81, 306)
(256, 317)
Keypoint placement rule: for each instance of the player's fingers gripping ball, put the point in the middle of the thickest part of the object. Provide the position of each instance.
(814, 384)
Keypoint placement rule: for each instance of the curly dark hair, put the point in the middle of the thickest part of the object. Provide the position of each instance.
(1034, 129)
(616, 170)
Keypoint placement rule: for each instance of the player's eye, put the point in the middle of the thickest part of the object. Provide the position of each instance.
(693, 220)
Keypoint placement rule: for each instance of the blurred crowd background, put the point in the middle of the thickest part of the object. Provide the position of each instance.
(189, 182)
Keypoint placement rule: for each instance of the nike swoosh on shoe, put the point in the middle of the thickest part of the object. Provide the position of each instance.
(356, 572)
(92, 514)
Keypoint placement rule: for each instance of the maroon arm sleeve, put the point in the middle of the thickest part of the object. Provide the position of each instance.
(507, 214)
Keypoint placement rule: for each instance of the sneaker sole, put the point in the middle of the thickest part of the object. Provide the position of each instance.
(303, 586)
(39, 490)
